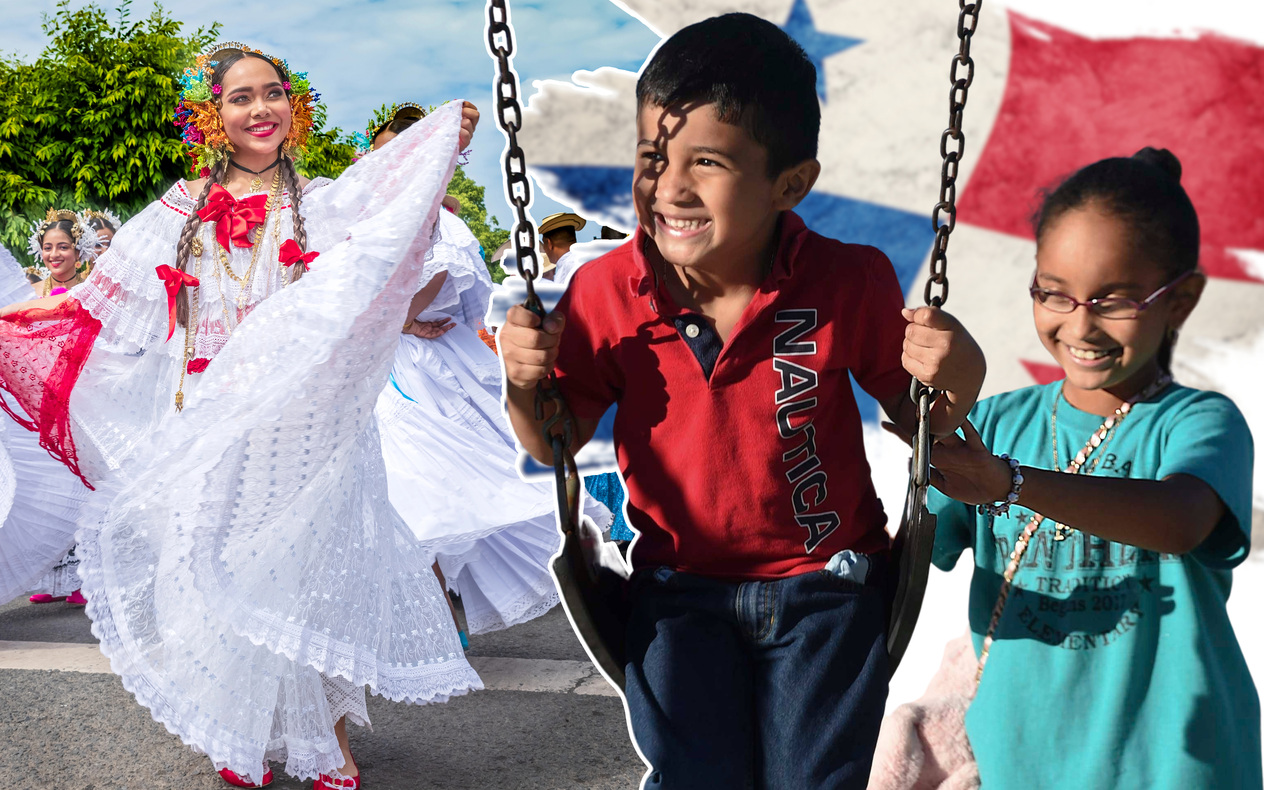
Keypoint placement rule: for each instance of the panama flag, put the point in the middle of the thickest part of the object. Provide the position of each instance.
(1050, 94)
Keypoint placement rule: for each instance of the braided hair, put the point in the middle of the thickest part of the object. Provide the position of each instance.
(191, 227)
(290, 175)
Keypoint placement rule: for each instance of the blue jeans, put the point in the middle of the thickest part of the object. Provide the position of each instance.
(778, 685)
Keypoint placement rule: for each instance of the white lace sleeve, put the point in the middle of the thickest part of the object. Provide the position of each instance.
(13, 283)
(468, 288)
(123, 292)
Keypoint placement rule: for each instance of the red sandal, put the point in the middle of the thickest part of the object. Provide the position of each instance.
(76, 599)
(340, 782)
(46, 598)
(236, 781)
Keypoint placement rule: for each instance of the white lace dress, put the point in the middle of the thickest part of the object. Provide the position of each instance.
(246, 574)
(451, 458)
(40, 499)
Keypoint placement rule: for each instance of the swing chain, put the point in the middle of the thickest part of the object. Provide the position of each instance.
(518, 188)
(509, 117)
(944, 216)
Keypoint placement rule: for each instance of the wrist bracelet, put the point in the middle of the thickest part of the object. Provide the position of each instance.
(1001, 508)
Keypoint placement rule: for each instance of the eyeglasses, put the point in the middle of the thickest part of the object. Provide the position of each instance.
(1112, 307)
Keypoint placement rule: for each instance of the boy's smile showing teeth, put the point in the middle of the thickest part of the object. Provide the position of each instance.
(679, 227)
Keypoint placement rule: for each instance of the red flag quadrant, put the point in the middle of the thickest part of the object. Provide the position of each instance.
(1071, 100)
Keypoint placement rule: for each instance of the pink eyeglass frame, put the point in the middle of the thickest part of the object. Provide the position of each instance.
(1092, 304)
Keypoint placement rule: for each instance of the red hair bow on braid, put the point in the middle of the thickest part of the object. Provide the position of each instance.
(173, 279)
(291, 254)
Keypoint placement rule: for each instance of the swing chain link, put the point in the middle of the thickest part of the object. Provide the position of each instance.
(944, 216)
(509, 117)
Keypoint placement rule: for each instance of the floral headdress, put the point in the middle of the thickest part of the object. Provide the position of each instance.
(105, 215)
(197, 111)
(83, 235)
(382, 117)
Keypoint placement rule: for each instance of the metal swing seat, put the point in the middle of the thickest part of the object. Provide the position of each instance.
(589, 572)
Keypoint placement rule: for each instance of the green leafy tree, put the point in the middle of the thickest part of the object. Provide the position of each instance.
(328, 153)
(474, 214)
(88, 124)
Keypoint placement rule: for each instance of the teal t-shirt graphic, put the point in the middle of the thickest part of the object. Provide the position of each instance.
(1113, 666)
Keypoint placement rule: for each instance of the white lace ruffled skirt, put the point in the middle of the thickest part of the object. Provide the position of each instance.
(451, 467)
(41, 501)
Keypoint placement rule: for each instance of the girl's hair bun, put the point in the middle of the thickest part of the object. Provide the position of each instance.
(1161, 158)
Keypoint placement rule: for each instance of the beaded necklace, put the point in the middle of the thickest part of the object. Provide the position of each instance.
(1098, 439)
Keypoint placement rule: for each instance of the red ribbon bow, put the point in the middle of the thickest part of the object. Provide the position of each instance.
(291, 254)
(173, 279)
(233, 218)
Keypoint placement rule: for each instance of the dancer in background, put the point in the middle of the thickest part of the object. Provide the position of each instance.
(63, 245)
(105, 223)
(450, 456)
(245, 572)
(40, 499)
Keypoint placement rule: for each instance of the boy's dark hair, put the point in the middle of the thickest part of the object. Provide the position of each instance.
(1144, 191)
(757, 77)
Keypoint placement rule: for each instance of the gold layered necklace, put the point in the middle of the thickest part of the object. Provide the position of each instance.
(245, 282)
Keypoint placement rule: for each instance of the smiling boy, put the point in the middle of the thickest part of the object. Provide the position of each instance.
(726, 332)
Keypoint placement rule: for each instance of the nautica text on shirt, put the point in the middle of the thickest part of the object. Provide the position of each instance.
(794, 397)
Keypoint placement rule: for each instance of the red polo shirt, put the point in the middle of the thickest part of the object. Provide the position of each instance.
(743, 460)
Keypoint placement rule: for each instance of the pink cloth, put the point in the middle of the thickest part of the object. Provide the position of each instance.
(923, 744)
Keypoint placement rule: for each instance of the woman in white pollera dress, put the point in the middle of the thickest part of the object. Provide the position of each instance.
(451, 460)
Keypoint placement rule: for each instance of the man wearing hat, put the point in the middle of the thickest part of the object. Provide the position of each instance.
(580, 254)
(557, 236)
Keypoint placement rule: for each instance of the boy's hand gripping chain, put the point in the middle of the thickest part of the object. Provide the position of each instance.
(585, 591)
(915, 541)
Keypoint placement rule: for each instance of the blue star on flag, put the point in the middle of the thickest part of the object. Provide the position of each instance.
(816, 44)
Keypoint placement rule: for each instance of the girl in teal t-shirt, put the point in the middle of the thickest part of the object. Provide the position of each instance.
(1112, 663)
